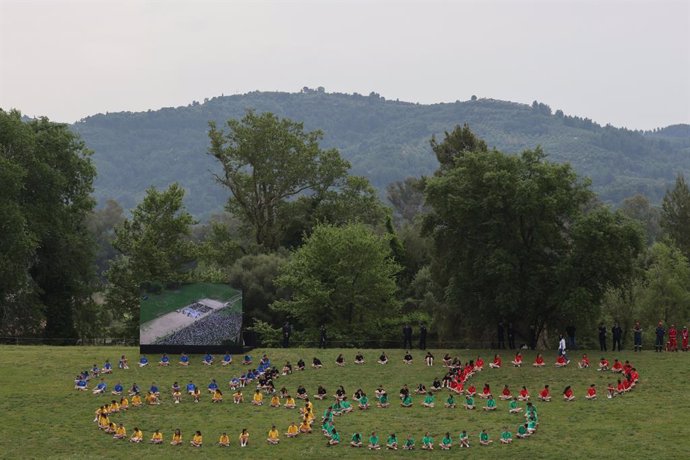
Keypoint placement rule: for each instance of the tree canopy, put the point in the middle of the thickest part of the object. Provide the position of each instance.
(519, 238)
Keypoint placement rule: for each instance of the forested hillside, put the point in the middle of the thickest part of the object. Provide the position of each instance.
(384, 140)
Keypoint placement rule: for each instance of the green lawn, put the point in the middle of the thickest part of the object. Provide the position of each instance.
(43, 417)
(169, 300)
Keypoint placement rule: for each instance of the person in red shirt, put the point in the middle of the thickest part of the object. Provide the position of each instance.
(524, 394)
(620, 388)
(471, 390)
(568, 394)
(591, 392)
(684, 338)
(479, 364)
(496, 364)
(672, 338)
(603, 364)
(539, 361)
(517, 362)
(617, 366)
(486, 392)
(584, 362)
(505, 394)
(561, 361)
(634, 376)
(545, 394)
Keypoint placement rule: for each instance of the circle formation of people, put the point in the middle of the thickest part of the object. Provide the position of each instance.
(260, 382)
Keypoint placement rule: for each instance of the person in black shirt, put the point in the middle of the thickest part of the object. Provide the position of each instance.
(322, 337)
(422, 337)
(511, 336)
(501, 335)
(602, 337)
(287, 329)
(617, 332)
(407, 336)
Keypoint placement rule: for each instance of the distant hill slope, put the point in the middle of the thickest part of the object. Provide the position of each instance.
(384, 140)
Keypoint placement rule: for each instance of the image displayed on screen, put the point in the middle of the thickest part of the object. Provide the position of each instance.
(195, 314)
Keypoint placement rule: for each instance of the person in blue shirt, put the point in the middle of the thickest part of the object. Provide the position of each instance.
(154, 389)
(165, 361)
(247, 360)
(660, 332)
(175, 387)
(208, 359)
(100, 388)
(213, 386)
(184, 360)
(80, 385)
(107, 367)
(190, 387)
(134, 389)
(117, 389)
(227, 359)
(143, 361)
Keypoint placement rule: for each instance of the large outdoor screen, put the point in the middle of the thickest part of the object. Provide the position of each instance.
(195, 315)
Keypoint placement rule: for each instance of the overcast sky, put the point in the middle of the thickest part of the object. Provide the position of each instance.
(621, 62)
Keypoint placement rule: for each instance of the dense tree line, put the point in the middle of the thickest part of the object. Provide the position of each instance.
(485, 236)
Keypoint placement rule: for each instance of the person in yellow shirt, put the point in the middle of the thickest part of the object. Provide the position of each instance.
(177, 438)
(238, 397)
(224, 440)
(196, 394)
(124, 404)
(157, 437)
(292, 431)
(112, 428)
(197, 439)
(136, 400)
(120, 432)
(152, 399)
(137, 436)
(273, 436)
(114, 407)
(258, 399)
(244, 438)
(290, 402)
(305, 426)
(217, 396)
(275, 400)
(177, 396)
(103, 421)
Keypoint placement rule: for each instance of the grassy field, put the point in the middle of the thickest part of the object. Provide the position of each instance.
(157, 305)
(43, 417)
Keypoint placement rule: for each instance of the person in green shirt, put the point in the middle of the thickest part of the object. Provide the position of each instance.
(522, 431)
(409, 443)
(531, 425)
(374, 441)
(356, 440)
(484, 438)
(469, 402)
(464, 439)
(450, 402)
(383, 400)
(427, 442)
(335, 438)
(336, 408)
(446, 442)
(345, 406)
(392, 442)
(490, 404)
(363, 402)
(513, 407)
(428, 401)
(407, 401)
(506, 436)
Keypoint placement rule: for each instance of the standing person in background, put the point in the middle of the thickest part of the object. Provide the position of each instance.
(422, 336)
(570, 332)
(672, 338)
(684, 338)
(501, 335)
(660, 332)
(637, 335)
(562, 348)
(407, 336)
(322, 336)
(287, 329)
(511, 336)
(602, 337)
(617, 333)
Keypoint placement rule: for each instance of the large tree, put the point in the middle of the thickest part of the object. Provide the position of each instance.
(46, 258)
(514, 241)
(268, 161)
(343, 278)
(155, 251)
(675, 215)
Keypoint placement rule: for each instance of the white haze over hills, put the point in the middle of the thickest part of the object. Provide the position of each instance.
(626, 63)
